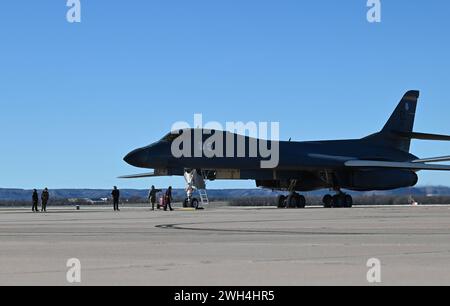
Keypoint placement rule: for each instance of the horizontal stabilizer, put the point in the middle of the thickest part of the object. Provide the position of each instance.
(143, 175)
(422, 136)
(432, 159)
(397, 165)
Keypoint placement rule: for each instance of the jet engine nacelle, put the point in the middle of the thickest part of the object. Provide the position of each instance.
(366, 180)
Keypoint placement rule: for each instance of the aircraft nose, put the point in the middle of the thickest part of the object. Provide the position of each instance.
(137, 158)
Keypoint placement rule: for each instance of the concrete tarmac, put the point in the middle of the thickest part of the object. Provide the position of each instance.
(226, 246)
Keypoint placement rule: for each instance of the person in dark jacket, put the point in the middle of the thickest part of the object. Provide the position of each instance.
(168, 199)
(152, 196)
(116, 197)
(45, 196)
(35, 199)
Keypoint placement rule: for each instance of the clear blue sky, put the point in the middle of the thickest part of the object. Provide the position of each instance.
(75, 98)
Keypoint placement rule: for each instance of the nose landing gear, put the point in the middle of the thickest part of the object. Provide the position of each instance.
(191, 202)
(195, 181)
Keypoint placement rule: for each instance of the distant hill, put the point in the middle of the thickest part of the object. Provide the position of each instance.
(25, 195)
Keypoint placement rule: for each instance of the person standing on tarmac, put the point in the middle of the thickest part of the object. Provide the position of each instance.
(35, 199)
(152, 196)
(116, 197)
(168, 199)
(44, 198)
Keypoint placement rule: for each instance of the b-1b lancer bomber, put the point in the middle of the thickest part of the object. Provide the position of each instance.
(380, 161)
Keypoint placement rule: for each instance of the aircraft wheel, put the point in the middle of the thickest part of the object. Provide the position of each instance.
(338, 201)
(194, 203)
(293, 200)
(348, 201)
(327, 201)
(301, 201)
(281, 201)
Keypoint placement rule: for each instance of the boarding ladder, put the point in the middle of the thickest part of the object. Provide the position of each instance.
(203, 196)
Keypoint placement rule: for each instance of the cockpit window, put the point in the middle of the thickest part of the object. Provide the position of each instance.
(205, 134)
(171, 137)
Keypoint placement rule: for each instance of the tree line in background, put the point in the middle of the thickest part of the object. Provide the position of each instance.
(253, 201)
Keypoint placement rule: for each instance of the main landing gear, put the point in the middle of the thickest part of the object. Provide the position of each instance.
(340, 200)
(293, 200)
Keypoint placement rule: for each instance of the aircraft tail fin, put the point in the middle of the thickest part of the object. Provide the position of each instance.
(398, 131)
(402, 119)
(400, 123)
